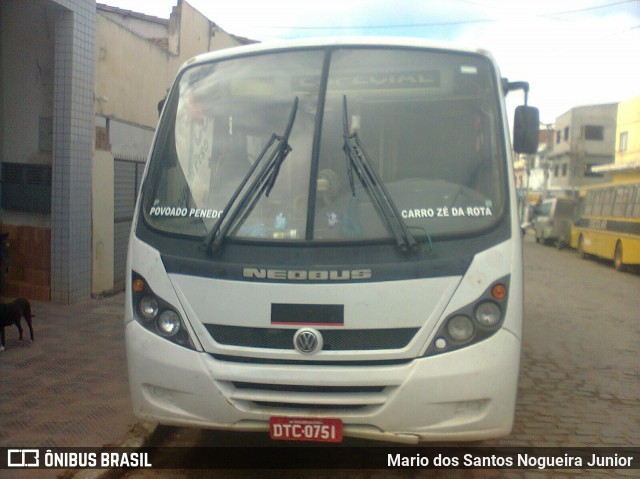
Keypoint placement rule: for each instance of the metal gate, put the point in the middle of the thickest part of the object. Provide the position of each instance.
(127, 177)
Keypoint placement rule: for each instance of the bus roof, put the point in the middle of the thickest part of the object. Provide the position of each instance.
(332, 41)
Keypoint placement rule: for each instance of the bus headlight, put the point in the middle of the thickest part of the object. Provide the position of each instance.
(460, 328)
(474, 322)
(488, 314)
(157, 315)
(148, 307)
(168, 323)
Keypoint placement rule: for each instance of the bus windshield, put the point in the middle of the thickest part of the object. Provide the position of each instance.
(427, 121)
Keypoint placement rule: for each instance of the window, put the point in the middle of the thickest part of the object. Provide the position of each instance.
(564, 169)
(555, 171)
(558, 136)
(597, 202)
(593, 132)
(587, 204)
(545, 208)
(608, 196)
(565, 208)
(621, 200)
(26, 187)
(401, 103)
(566, 133)
(624, 137)
(634, 205)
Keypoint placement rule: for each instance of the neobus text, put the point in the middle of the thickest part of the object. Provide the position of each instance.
(305, 275)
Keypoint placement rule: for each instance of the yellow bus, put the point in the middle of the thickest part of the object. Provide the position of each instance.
(609, 224)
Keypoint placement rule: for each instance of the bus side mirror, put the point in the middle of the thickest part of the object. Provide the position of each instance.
(525, 129)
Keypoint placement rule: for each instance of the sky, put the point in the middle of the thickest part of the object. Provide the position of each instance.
(572, 52)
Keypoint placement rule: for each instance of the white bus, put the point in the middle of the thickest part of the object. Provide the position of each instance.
(327, 245)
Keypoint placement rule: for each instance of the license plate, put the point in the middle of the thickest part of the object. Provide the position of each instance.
(305, 429)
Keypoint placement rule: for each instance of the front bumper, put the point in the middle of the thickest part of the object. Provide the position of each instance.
(468, 394)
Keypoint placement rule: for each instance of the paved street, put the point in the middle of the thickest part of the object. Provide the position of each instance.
(580, 375)
(580, 379)
(68, 388)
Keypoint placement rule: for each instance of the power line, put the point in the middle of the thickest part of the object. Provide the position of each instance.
(434, 24)
(584, 9)
(591, 8)
(551, 15)
(365, 27)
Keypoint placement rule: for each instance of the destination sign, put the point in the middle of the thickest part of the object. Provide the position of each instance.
(372, 81)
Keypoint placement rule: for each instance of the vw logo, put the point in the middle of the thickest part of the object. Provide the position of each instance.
(307, 340)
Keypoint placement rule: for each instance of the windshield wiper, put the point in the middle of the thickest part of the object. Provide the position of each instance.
(263, 183)
(358, 160)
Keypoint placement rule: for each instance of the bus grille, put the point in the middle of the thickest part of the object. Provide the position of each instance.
(274, 397)
(307, 362)
(334, 339)
(293, 388)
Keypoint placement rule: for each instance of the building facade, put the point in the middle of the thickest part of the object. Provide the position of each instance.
(584, 139)
(626, 166)
(137, 57)
(80, 86)
(46, 146)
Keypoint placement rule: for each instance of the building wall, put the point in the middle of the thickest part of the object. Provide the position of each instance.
(192, 31)
(27, 71)
(629, 123)
(57, 78)
(597, 115)
(144, 25)
(26, 101)
(27, 92)
(73, 151)
(562, 140)
(115, 141)
(573, 152)
(47, 110)
(133, 72)
(570, 134)
(102, 227)
(132, 75)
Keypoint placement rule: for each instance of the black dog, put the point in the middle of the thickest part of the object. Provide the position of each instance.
(12, 313)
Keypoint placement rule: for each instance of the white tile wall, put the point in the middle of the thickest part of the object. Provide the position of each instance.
(73, 151)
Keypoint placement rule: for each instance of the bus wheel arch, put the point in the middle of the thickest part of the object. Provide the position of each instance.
(618, 263)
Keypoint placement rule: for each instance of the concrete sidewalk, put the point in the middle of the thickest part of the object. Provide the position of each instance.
(68, 388)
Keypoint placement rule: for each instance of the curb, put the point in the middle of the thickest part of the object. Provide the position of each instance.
(137, 437)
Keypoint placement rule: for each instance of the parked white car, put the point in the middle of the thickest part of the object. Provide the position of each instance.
(553, 219)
